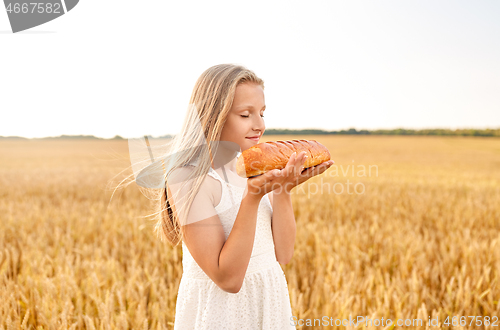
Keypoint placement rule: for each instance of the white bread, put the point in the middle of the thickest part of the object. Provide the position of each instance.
(271, 155)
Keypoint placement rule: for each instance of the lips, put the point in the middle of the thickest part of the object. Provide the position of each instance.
(254, 138)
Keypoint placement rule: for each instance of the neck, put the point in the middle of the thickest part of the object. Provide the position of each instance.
(225, 156)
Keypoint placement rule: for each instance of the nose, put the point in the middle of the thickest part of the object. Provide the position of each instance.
(259, 126)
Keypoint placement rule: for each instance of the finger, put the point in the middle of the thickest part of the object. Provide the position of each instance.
(312, 171)
(324, 165)
(298, 162)
(303, 156)
(318, 169)
(299, 166)
(291, 166)
(263, 178)
(274, 173)
(294, 159)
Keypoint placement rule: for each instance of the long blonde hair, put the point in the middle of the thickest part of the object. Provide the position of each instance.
(211, 100)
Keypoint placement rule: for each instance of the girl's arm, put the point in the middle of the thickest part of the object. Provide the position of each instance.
(224, 261)
(283, 225)
(283, 222)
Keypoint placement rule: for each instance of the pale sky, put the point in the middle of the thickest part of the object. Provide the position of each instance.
(128, 68)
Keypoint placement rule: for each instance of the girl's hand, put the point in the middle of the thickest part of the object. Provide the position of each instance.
(295, 174)
(313, 171)
(260, 185)
(286, 178)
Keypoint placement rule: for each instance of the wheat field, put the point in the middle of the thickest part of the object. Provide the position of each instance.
(400, 227)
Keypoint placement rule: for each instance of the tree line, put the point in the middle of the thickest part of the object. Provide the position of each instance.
(398, 131)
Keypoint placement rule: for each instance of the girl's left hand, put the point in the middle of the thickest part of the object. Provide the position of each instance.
(294, 174)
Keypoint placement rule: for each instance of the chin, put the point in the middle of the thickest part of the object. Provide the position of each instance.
(247, 145)
(251, 143)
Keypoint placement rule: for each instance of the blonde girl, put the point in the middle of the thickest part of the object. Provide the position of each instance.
(234, 232)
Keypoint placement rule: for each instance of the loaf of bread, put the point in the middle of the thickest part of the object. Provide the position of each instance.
(267, 156)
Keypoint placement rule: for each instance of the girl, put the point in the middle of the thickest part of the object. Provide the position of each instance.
(234, 231)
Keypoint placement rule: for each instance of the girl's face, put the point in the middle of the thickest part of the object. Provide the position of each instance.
(245, 119)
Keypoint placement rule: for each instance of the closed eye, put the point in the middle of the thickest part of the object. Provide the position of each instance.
(248, 116)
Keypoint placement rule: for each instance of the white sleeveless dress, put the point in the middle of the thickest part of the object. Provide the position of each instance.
(263, 301)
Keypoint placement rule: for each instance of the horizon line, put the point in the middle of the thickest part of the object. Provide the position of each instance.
(292, 130)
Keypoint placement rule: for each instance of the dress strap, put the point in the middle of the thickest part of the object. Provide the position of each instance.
(225, 185)
(215, 175)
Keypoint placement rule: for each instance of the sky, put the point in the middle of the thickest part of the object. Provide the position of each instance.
(128, 68)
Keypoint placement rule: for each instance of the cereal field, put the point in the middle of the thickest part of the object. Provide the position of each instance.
(400, 227)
